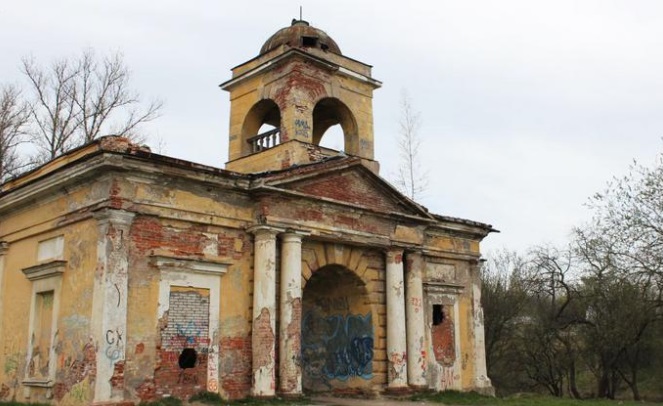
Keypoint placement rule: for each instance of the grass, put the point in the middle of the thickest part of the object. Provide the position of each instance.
(163, 402)
(474, 399)
(21, 404)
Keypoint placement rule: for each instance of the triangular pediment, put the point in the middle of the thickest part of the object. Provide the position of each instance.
(348, 182)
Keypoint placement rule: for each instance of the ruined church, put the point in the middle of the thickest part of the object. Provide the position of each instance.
(127, 276)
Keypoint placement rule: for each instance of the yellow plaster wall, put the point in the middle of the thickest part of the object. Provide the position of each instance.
(73, 319)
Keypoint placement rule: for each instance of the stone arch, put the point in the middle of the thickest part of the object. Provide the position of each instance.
(352, 258)
(330, 111)
(338, 332)
(265, 111)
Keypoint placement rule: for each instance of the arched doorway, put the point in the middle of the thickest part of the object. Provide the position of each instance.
(337, 331)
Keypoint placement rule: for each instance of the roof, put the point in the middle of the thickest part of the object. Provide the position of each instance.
(301, 35)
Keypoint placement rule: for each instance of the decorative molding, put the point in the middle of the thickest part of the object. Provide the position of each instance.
(39, 383)
(4, 247)
(47, 270)
(186, 265)
(443, 287)
(115, 217)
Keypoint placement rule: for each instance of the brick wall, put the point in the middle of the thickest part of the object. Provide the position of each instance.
(186, 330)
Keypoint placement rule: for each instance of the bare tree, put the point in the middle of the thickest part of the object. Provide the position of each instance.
(77, 100)
(411, 179)
(53, 110)
(504, 298)
(103, 90)
(14, 115)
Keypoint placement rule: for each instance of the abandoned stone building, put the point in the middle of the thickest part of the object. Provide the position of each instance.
(127, 275)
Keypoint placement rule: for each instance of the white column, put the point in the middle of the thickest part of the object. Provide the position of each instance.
(264, 312)
(396, 340)
(109, 302)
(482, 383)
(414, 294)
(290, 321)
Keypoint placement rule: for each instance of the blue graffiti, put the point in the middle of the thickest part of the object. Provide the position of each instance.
(338, 346)
(190, 331)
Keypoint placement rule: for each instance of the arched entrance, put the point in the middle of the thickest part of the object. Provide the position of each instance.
(337, 331)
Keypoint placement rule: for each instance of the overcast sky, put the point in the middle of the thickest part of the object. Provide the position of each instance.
(528, 107)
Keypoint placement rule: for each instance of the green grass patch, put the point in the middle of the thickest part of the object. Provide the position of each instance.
(170, 401)
(474, 399)
(22, 404)
(208, 398)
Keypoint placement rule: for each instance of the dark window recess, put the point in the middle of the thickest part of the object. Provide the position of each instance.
(309, 41)
(324, 47)
(438, 314)
(188, 358)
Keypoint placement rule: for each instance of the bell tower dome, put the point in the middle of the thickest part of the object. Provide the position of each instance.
(284, 100)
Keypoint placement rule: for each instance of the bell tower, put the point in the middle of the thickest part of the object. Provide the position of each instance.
(284, 100)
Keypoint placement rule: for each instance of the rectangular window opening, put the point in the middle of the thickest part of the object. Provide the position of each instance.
(438, 314)
(309, 41)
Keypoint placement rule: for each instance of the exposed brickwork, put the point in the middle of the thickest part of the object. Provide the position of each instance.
(75, 371)
(236, 356)
(349, 187)
(117, 380)
(115, 195)
(444, 345)
(265, 352)
(293, 335)
(187, 329)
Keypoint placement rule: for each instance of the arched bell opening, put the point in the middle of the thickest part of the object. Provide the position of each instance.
(262, 127)
(334, 124)
(337, 331)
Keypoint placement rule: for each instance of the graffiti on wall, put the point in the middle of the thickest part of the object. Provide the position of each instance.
(114, 345)
(337, 346)
(302, 128)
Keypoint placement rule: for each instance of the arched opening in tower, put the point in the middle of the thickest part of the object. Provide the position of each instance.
(262, 127)
(337, 331)
(334, 126)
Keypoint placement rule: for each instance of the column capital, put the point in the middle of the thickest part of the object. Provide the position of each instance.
(414, 261)
(264, 230)
(414, 252)
(394, 255)
(4, 247)
(293, 235)
(114, 216)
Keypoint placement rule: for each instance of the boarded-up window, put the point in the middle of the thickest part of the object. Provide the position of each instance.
(42, 334)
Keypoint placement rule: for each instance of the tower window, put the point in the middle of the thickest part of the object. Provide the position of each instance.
(438, 314)
(309, 41)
